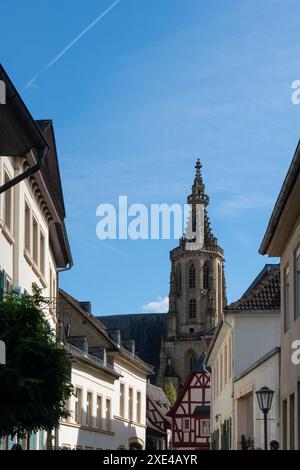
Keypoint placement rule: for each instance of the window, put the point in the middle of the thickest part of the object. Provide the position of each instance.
(139, 407)
(27, 228)
(78, 405)
(221, 372)
(192, 309)
(297, 283)
(35, 240)
(89, 409)
(204, 427)
(298, 417)
(225, 364)
(178, 279)
(130, 404)
(286, 298)
(186, 424)
(122, 400)
(42, 253)
(205, 275)
(284, 424)
(229, 357)
(107, 414)
(219, 291)
(7, 204)
(192, 362)
(99, 412)
(192, 277)
(292, 422)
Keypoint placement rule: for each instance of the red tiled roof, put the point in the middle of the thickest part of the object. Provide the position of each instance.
(265, 294)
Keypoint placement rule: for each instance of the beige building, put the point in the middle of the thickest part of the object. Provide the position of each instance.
(282, 239)
(240, 358)
(108, 408)
(33, 241)
(197, 291)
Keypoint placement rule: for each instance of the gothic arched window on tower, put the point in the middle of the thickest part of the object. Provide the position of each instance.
(192, 277)
(178, 278)
(206, 275)
(193, 361)
(192, 308)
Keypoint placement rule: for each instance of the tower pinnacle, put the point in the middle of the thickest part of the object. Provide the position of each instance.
(198, 189)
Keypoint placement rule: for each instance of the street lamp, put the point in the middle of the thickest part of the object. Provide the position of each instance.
(264, 398)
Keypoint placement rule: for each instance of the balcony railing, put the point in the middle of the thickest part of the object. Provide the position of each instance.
(93, 359)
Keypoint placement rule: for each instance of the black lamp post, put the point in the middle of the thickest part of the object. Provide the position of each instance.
(264, 398)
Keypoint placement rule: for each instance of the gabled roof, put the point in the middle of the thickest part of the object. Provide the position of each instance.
(263, 294)
(182, 392)
(159, 400)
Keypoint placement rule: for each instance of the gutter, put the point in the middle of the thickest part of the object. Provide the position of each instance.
(27, 173)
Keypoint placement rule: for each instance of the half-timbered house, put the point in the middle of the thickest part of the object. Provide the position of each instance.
(191, 413)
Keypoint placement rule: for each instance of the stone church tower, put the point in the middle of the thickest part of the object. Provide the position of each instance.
(197, 291)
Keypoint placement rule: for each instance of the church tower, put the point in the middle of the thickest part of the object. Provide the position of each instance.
(197, 291)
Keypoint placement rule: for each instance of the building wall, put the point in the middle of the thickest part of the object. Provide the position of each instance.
(242, 341)
(263, 330)
(15, 260)
(122, 430)
(290, 373)
(248, 417)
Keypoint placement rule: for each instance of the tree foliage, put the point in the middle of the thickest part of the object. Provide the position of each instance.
(171, 393)
(35, 381)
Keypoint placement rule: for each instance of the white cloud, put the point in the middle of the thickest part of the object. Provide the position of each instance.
(158, 306)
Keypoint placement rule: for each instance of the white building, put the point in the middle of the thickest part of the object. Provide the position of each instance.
(282, 239)
(247, 332)
(108, 409)
(33, 241)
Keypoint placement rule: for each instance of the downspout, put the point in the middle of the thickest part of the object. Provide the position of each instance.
(232, 369)
(30, 171)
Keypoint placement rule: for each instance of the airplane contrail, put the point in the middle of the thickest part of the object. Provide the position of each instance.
(71, 44)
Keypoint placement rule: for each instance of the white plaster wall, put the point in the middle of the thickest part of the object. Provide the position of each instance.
(255, 335)
(266, 374)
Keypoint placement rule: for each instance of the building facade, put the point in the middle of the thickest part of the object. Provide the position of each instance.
(108, 408)
(191, 413)
(246, 334)
(197, 291)
(158, 423)
(34, 246)
(282, 239)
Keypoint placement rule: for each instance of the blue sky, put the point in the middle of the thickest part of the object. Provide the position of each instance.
(154, 85)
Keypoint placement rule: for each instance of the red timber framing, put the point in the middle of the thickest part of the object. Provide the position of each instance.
(191, 413)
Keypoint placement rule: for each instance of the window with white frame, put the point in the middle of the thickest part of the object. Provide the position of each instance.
(8, 204)
(78, 405)
(99, 412)
(297, 283)
(286, 298)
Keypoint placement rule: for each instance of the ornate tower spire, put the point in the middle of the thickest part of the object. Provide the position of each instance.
(198, 189)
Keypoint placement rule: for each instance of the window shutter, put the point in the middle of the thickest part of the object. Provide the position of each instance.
(3, 281)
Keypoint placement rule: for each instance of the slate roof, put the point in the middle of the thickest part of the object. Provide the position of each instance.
(159, 400)
(263, 294)
(201, 410)
(147, 329)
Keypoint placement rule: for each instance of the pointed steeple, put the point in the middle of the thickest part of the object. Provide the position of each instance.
(198, 189)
